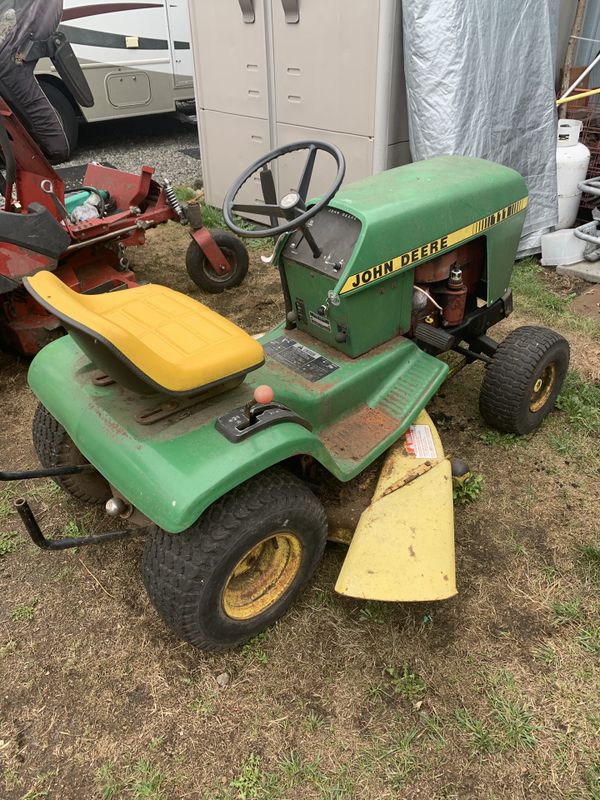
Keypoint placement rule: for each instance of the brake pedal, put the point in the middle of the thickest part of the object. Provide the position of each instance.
(434, 340)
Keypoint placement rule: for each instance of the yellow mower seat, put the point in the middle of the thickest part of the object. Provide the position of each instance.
(153, 337)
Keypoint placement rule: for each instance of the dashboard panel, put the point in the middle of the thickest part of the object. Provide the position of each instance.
(335, 232)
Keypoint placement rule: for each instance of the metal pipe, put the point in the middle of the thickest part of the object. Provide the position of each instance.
(586, 71)
(579, 96)
(588, 186)
(587, 237)
(50, 472)
(471, 354)
(104, 237)
(33, 529)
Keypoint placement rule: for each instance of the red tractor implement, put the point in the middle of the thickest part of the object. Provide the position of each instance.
(81, 235)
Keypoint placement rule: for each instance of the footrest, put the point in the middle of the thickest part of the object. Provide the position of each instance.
(434, 340)
(417, 381)
(372, 427)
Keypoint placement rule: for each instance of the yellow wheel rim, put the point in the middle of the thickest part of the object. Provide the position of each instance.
(262, 576)
(542, 388)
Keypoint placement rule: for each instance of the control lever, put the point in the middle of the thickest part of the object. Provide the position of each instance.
(333, 299)
(261, 399)
(335, 265)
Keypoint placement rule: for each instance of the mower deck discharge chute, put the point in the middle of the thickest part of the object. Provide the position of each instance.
(403, 546)
(190, 434)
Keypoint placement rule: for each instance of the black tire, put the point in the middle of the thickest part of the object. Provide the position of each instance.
(190, 576)
(67, 114)
(521, 384)
(203, 275)
(55, 448)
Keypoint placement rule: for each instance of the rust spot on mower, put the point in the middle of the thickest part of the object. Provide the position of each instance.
(358, 433)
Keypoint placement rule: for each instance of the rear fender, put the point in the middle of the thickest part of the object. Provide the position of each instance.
(173, 480)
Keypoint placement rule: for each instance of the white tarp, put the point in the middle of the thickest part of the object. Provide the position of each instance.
(480, 82)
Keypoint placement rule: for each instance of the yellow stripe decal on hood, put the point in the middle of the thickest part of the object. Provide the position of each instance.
(429, 249)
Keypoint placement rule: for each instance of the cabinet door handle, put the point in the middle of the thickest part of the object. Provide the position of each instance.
(247, 7)
(291, 11)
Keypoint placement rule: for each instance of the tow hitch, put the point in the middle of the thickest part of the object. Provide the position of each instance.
(31, 524)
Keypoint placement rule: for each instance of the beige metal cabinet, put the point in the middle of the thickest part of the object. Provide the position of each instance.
(230, 57)
(242, 140)
(357, 150)
(325, 70)
(271, 72)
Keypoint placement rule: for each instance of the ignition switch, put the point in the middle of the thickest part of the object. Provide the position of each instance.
(333, 299)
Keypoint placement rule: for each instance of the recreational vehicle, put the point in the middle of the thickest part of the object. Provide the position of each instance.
(136, 56)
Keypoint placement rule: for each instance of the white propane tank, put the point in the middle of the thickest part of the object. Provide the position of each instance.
(572, 159)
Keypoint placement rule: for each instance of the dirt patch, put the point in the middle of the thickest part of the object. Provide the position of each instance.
(563, 285)
(588, 302)
(256, 305)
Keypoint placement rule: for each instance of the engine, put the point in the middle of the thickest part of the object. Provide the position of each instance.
(446, 288)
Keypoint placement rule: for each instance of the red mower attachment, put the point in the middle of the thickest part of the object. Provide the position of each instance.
(82, 235)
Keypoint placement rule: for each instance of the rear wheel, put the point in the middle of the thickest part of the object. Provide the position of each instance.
(201, 272)
(66, 113)
(240, 567)
(55, 448)
(521, 384)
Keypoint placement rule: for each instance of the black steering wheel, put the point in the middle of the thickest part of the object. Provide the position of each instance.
(291, 207)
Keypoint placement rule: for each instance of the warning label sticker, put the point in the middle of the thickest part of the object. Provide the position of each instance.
(295, 356)
(418, 442)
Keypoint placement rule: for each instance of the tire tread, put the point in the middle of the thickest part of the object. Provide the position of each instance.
(55, 448)
(507, 377)
(175, 565)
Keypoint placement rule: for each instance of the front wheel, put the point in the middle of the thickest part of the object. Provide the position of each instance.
(201, 272)
(522, 382)
(240, 567)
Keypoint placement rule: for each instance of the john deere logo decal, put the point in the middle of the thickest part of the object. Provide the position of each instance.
(429, 249)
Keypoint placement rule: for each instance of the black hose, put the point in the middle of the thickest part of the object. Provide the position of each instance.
(95, 191)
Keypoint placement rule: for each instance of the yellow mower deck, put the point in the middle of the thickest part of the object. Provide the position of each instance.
(403, 546)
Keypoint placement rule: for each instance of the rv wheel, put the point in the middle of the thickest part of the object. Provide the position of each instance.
(66, 114)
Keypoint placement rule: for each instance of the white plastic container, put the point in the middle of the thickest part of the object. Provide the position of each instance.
(561, 247)
(572, 159)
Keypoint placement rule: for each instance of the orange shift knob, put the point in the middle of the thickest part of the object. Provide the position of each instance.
(263, 394)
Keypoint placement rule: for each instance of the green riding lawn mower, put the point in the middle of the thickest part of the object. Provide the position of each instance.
(211, 441)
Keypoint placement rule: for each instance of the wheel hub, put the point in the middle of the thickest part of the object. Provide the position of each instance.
(542, 388)
(262, 576)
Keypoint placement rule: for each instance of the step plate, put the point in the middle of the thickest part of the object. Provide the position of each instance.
(359, 433)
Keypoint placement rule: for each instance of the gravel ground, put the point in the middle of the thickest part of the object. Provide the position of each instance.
(162, 142)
